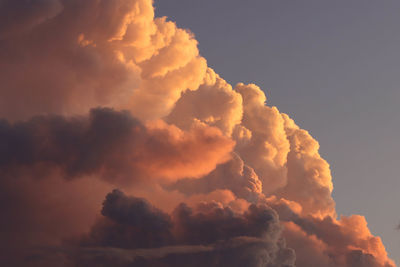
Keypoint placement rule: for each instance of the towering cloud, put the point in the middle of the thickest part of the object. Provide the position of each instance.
(100, 94)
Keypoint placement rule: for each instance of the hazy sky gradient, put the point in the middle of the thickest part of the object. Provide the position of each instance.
(334, 66)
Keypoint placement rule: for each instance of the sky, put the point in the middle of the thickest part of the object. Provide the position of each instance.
(226, 134)
(331, 65)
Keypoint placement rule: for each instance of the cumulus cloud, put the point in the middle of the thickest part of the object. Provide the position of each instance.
(267, 148)
(105, 92)
(331, 242)
(234, 175)
(213, 103)
(111, 144)
(97, 53)
(309, 180)
(222, 236)
(132, 232)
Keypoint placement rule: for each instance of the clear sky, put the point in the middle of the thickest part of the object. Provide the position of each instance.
(333, 66)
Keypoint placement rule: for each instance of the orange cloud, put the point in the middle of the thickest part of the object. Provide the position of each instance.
(186, 135)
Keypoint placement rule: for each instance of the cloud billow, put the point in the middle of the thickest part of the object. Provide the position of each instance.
(99, 94)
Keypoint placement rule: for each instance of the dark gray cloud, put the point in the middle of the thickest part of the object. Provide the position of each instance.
(80, 145)
(130, 222)
(207, 234)
(111, 144)
(209, 222)
(132, 232)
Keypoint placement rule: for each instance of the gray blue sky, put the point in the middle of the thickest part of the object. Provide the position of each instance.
(333, 66)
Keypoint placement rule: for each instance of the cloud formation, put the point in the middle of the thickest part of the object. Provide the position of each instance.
(112, 145)
(97, 53)
(99, 94)
(222, 236)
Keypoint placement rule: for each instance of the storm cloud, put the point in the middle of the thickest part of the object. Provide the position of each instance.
(101, 94)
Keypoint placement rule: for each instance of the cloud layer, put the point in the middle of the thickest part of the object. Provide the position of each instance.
(100, 94)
